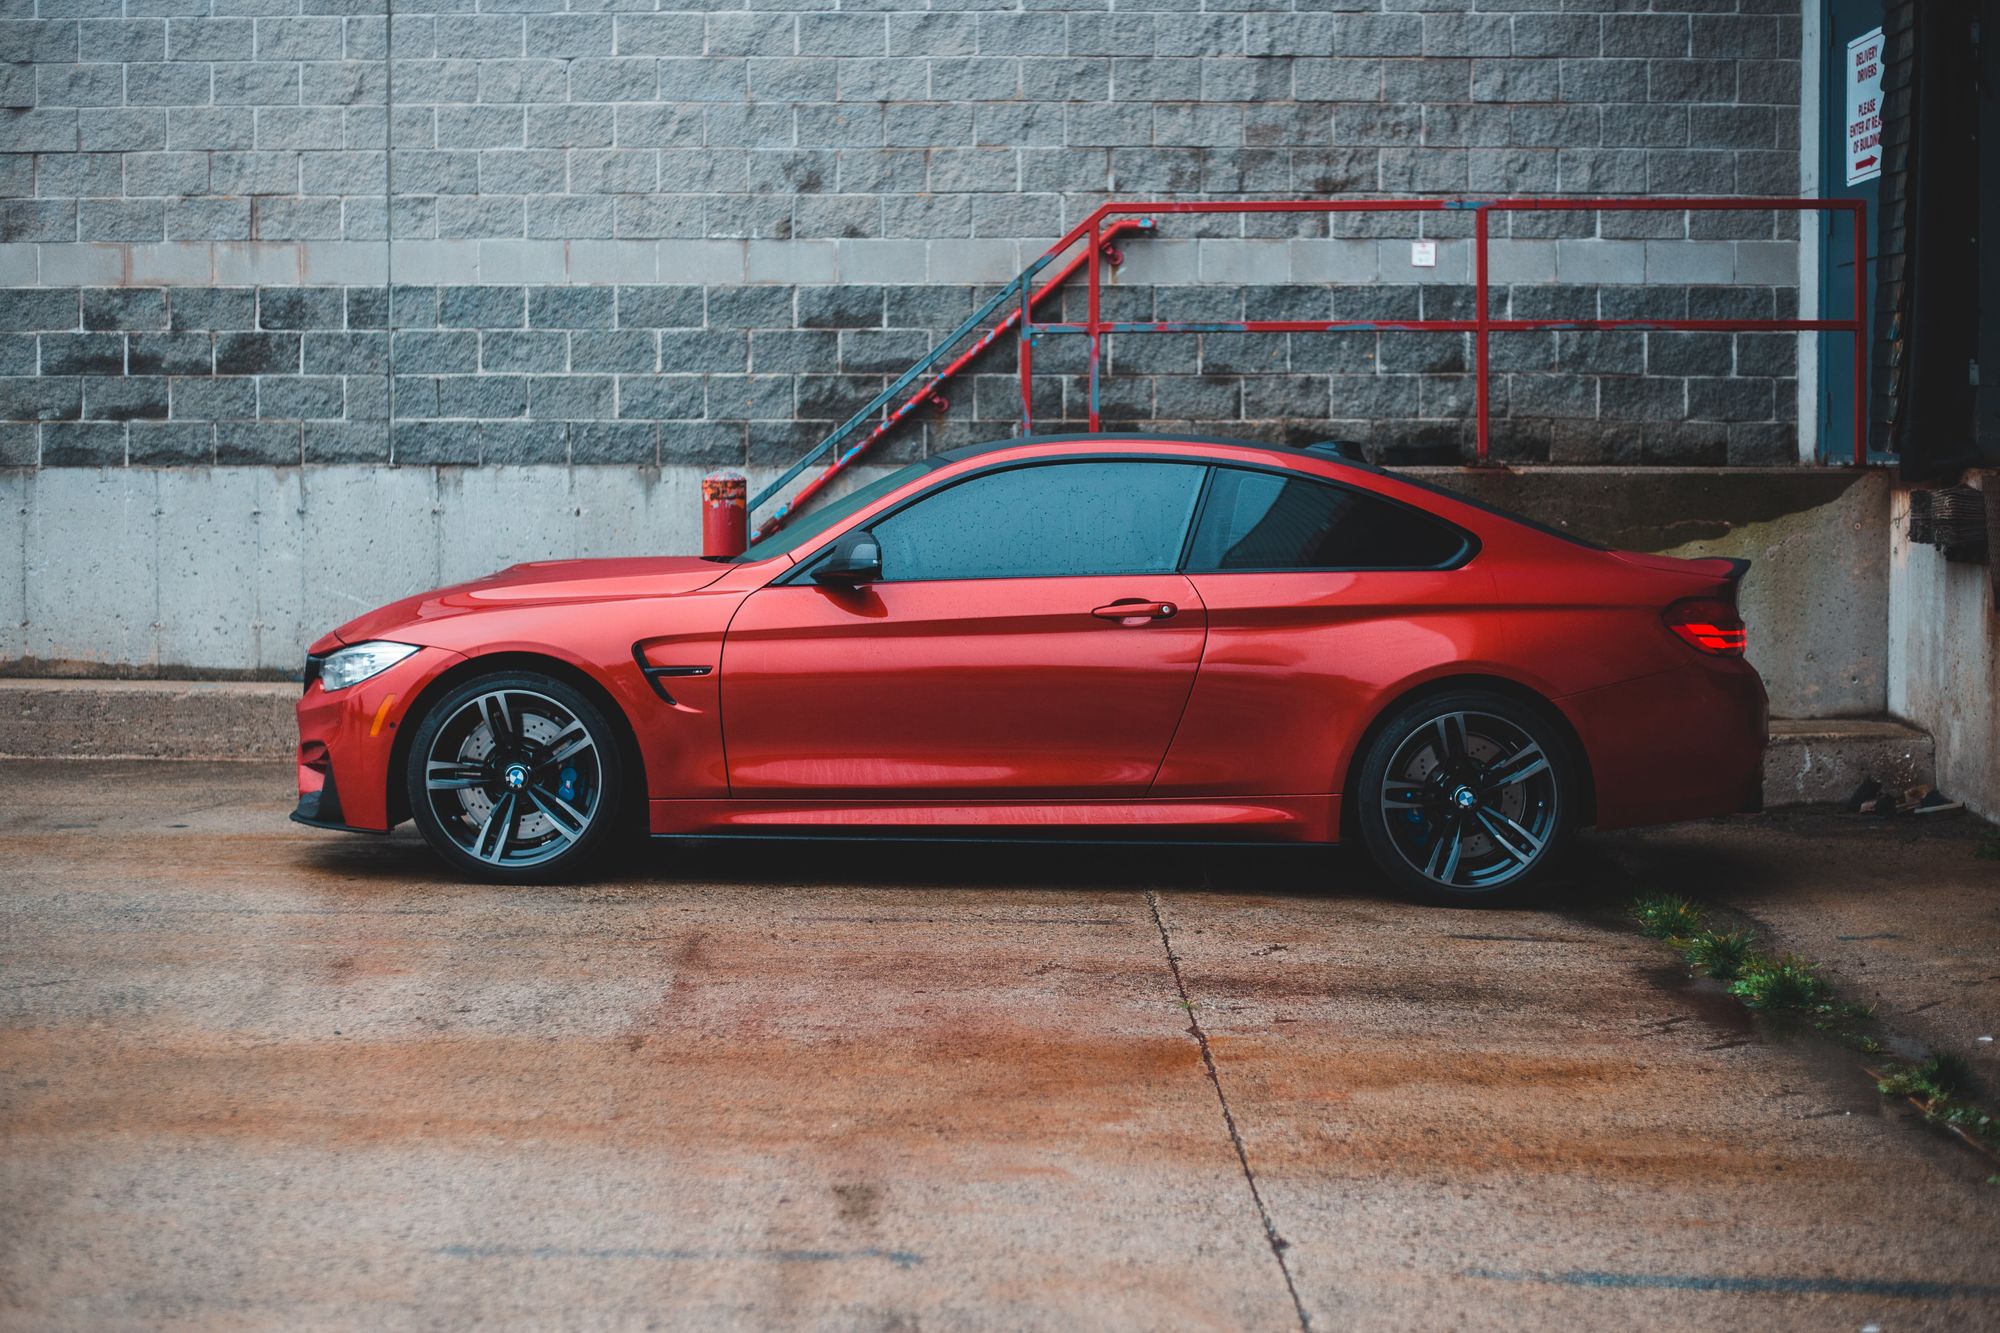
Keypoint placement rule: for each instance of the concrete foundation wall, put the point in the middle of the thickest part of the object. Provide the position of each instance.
(233, 570)
(1944, 659)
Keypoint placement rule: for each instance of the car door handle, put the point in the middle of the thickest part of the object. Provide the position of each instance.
(1131, 609)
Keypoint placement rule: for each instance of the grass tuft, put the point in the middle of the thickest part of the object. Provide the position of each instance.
(1667, 916)
(1787, 982)
(1942, 1085)
(1724, 955)
(1942, 1077)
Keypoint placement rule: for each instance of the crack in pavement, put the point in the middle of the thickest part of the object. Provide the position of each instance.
(1277, 1243)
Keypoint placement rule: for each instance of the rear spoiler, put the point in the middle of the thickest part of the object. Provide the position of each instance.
(1729, 568)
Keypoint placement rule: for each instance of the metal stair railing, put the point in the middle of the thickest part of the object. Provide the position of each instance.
(1015, 290)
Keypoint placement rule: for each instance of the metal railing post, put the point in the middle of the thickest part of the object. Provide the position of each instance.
(1025, 358)
(1483, 316)
(1859, 213)
(1096, 338)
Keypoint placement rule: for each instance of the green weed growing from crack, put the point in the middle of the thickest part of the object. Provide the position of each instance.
(1787, 982)
(1722, 954)
(1941, 1085)
(1667, 916)
(1942, 1077)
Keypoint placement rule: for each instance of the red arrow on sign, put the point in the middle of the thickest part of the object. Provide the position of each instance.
(1862, 163)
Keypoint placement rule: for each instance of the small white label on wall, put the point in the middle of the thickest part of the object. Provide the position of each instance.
(1423, 254)
(1864, 107)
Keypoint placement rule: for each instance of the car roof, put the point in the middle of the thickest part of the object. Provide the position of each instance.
(1338, 452)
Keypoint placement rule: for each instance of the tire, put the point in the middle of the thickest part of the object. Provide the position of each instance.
(1468, 798)
(542, 803)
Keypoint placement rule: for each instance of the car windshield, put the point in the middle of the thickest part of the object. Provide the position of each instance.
(802, 530)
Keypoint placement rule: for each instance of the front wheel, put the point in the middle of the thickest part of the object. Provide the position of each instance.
(1467, 798)
(516, 777)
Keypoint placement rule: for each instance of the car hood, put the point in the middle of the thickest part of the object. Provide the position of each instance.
(539, 583)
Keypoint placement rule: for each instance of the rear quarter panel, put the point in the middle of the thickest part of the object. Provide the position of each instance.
(1299, 665)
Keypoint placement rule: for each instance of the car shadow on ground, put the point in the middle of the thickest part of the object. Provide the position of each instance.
(1251, 870)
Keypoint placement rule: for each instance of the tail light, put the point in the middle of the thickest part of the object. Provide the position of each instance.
(1707, 624)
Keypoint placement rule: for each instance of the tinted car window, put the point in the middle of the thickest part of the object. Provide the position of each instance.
(801, 531)
(1264, 520)
(1044, 521)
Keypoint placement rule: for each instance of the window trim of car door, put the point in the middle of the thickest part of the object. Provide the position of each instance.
(1469, 544)
(801, 571)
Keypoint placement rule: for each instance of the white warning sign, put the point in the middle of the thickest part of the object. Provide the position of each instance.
(1864, 107)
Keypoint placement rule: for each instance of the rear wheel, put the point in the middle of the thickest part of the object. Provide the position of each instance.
(516, 777)
(1467, 798)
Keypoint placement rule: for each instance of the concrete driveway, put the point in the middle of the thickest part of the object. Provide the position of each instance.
(254, 1075)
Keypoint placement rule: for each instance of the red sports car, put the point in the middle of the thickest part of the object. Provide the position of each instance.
(1131, 636)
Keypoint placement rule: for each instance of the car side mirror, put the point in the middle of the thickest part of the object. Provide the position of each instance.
(854, 560)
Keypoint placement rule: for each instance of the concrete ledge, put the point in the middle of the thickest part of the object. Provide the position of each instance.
(135, 719)
(1816, 760)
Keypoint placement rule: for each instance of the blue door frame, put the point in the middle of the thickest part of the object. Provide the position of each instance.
(1841, 21)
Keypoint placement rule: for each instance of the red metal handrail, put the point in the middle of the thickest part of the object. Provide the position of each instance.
(1483, 324)
(1116, 218)
(929, 389)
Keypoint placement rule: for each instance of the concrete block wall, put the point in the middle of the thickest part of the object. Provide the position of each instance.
(646, 237)
(789, 206)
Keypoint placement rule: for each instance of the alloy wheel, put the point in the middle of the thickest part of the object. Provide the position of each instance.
(514, 777)
(1470, 800)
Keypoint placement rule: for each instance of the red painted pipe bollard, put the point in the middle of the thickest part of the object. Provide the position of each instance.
(725, 512)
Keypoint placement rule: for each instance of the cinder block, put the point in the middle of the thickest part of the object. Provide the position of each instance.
(974, 261)
(612, 261)
(1689, 261)
(701, 262)
(435, 262)
(791, 262)
(345, 262)
(883, 261)
(81, 265)
(1332, 260)
(1454, 262)
(257, 264)
(1583, 261)
(1237, 261)
(1773, 263)
(20, 266)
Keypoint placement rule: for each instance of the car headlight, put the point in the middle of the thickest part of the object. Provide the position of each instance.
(351, 666)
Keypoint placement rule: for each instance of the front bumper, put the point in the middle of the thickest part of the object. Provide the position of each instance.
(347, 743)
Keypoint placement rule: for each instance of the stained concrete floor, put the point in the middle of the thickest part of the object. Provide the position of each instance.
(254, 1075)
